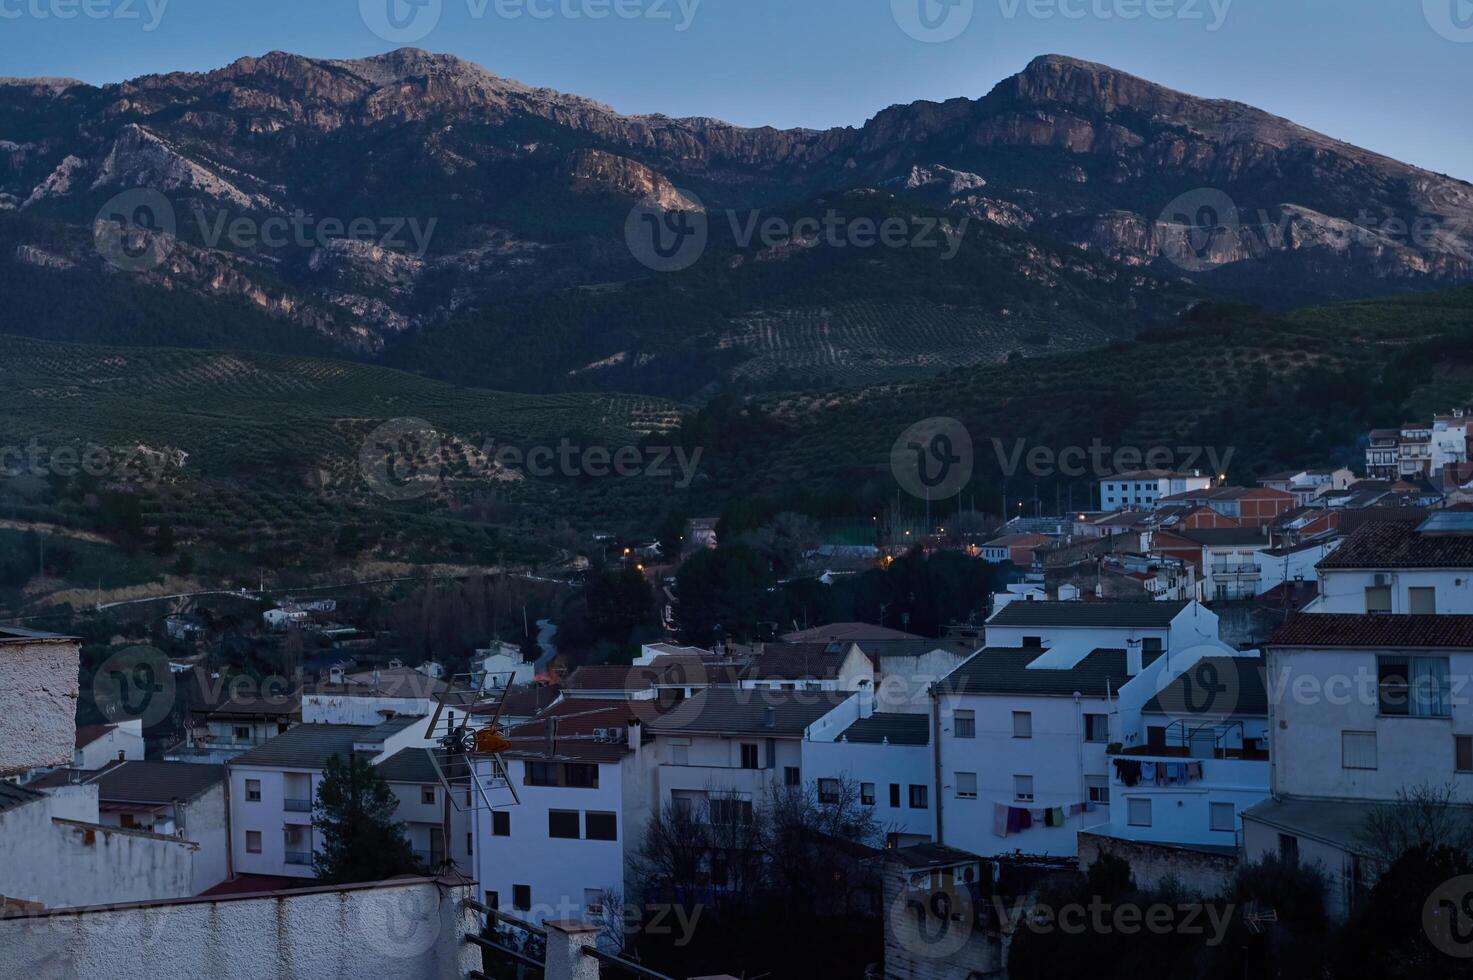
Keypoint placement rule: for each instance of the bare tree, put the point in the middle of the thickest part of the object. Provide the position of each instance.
(672, 856)
(1425, 815)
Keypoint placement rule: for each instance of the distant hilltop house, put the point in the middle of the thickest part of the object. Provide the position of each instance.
(292, 612)
(1143, 488)
(1420, 449)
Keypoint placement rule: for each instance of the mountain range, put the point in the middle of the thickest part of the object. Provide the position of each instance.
(415, 210)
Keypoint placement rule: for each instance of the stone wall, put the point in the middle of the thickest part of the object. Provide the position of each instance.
(1204, 872)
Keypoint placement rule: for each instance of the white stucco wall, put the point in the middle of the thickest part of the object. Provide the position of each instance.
(54, 852)
(398, 931)
(341, 709)
(38, 704)
(1345, 591)
(881, 765)
(559, 871)
(1316, 695)
(123, 742)
(1182, 814)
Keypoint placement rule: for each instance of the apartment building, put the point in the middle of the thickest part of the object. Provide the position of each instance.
(887, 757)
(1401, 568)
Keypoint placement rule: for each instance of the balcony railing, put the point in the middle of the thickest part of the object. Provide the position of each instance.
(297, 806)
(1236, 568)
(300, 858)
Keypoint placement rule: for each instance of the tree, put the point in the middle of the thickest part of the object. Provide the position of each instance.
(354, 819)
(721, 593)
(184, 564)
(1414, 919)
(1422, 816)
(785, 540)
(163, 541)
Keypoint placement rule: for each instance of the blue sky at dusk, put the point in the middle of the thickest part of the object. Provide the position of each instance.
(1390, 75)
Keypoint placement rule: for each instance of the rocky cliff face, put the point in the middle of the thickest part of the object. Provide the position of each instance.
(520, 181)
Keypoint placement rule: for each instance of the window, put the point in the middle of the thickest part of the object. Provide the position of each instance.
(964, 724)
(1139, 811)
(680, 751)
(966, 785)
(1223, 818)
(601, 826)
(1422, 602)
(749, 756)
(493, 901)
(427, 795)
(918, 797)
(539, 773)
(521, 898)
(828, 791)
(1378, 599)
(1032, 642)
(867, 794)
(1289, 848)
(127, 821)
(792, 776)
(1096, 728)
(1098, 788)
(583, 775)
(593, 902)
(500, 823)
(470, 843)
(1358, 750)
(1023, 789)
(1022, 724)
(242, 733)
(726, 810)
(562, 824)
(895, 794)
(1463, 753)
(1418, 687)
(253, 842)
(253, 791)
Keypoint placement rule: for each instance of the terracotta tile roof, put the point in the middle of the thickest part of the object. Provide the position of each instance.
(857, 632)
(1376, 630)
(87, 734)
(1398, 544)
(799, 661)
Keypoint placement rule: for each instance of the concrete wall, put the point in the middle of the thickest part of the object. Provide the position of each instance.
(1182, 814)
(342, 709)
(1261, 840)
(38, 704)
(54, 852)
(1206, 874)
(409, 930)
(904, 683)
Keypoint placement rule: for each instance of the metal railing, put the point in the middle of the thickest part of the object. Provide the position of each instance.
(1236, 568)
(297, 806)
(619, 962)
(299, 858)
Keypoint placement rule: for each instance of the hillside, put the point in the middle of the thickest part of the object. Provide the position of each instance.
(493, 247)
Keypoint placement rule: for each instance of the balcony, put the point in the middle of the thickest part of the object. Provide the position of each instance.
(1236, 569)
(297, 806)
(299, 858)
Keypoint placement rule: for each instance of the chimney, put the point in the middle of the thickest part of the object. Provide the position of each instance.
(635, 730)
(1133, 660)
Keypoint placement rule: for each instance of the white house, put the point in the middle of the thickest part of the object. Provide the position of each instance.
(1400, 567)
(98, 745)
(1361, 708)
(1199, 760)
(1292, 563)
(887, 756)
(1141, 489)
(166, 799)
(564, 850)
(273, 786)
(1153, 627)
(503, 665)
(836, 666)
(371, 696)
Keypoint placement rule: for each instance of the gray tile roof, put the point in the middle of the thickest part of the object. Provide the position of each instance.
(305, 747)
(1340, 822)
(1155, 615)
(156, 782)
(898, 729)
(390, 728)
(924, 856)
(799, 661)
(19, 634)
(12, 796)
(1223, 537)
(1004, 670)
(409, 766)
(736, 711)
(1245, 695)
